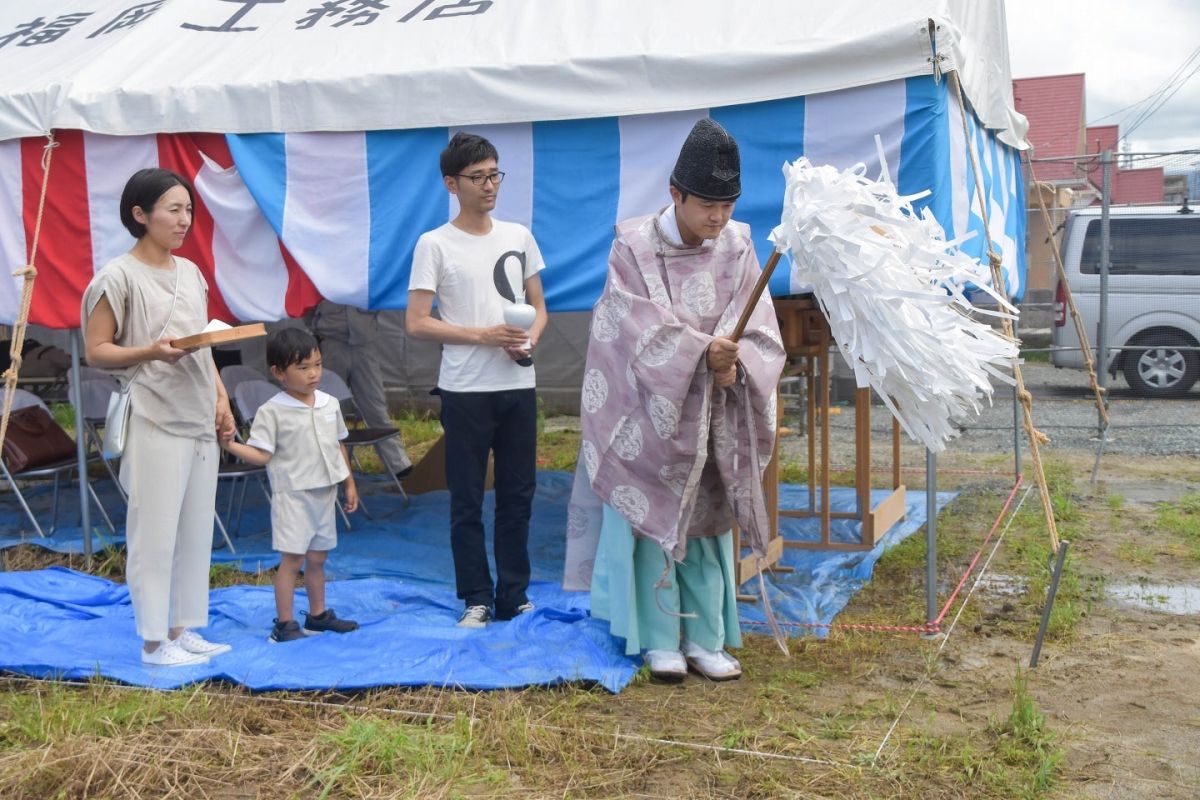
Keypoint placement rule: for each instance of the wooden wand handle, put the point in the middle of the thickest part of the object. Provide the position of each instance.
(757, 293)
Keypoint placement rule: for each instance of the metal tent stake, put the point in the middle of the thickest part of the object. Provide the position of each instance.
(1054, 579)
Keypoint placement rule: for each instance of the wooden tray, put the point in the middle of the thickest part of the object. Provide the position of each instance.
(211, 338)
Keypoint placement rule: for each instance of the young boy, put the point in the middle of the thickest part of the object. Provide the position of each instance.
(296, 435)
(475, 266)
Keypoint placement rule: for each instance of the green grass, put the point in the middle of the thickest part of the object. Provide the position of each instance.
(1182, 520)
(417, 427)
(64, 415)
(1036, 357)
(1025, 742)
(1137, 554)
(425, 756)
(57, 712)
(1013, 757)
(558, 450)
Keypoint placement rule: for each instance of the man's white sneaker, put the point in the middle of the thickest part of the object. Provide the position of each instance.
(716, 665)
(171, 654)
(475, 617)
(197, 645)
(666, 665)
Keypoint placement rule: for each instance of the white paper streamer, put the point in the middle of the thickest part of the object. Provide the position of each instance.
(891, 287)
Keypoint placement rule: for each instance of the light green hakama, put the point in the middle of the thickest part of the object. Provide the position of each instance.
(627, 567)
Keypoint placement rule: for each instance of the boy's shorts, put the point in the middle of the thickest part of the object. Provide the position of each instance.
(304, 520)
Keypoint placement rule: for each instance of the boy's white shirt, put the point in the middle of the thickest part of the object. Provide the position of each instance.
(320, 400)
(282, 468)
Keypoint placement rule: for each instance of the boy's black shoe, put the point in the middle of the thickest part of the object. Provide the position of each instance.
(328, 621)
(287, 631)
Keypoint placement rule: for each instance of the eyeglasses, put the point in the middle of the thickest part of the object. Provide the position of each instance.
(478, 180)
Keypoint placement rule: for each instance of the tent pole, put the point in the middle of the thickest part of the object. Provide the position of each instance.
(931, 609)
(85, 505)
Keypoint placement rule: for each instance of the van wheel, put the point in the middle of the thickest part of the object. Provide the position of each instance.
(1162, 370)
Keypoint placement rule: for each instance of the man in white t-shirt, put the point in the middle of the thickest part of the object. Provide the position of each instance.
(476, 266)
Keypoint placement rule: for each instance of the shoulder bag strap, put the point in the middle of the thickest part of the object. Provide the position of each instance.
(171, 313)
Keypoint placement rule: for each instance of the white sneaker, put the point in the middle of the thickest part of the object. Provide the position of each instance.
(171, 654)
(716, 665)
(666, 665)
(475, 617)
(196, 644)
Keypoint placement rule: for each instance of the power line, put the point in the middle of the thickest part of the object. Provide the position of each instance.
(1164, 86)
(1148, 113)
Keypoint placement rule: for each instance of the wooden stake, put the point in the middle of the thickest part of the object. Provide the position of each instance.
(754, 295)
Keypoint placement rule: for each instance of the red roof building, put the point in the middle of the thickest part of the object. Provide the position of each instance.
(1055, 108)
(1129, 186)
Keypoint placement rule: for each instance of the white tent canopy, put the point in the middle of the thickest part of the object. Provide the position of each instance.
(241, 66)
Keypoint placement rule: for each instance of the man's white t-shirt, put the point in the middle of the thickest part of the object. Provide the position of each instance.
(463, 271)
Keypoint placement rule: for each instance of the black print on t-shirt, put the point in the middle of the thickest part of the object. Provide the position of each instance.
(500, 275)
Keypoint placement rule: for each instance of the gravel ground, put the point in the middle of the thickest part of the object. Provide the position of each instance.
(1064, 410)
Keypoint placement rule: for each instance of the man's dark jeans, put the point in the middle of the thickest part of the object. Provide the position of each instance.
(504, 423)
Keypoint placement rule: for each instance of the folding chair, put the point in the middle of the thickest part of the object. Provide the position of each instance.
(233, 375)
(55, 471)
(95, 387)
(332, 384)
(248, 396)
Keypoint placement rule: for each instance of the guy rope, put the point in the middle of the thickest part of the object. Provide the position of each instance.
(29, 273)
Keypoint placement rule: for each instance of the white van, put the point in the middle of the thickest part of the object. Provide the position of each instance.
(1153, 295)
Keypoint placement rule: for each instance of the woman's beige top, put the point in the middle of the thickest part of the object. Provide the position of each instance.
(180, 398)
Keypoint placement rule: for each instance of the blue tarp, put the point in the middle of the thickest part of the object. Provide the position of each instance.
(394, 574)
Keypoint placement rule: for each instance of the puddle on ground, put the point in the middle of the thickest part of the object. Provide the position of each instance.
(1003, 585)
(1172, 598)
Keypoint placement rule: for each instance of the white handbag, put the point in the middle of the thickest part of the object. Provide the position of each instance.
(116, 418)
(116, 423)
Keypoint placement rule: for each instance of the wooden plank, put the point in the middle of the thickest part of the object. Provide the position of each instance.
(810, 411)
(241, 332)
(747, 566)
(862, 451)
(890, 511)
(797, 513)
(811, 545)
(823, 361)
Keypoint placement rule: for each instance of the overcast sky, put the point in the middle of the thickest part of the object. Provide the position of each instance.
(1128, 49)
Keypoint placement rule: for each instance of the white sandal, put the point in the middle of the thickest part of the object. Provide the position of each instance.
(716, 665)
(666, 665)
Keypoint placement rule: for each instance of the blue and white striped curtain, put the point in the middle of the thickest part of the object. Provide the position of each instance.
(350, 206)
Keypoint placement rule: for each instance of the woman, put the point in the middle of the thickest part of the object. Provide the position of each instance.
(132, 310)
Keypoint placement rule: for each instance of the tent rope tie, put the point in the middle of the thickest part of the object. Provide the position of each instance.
(29, 273)
(1035, 437)
(1085, 346)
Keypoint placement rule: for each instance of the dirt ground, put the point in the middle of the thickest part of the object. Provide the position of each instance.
(1120, 689)
(1125, 691)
